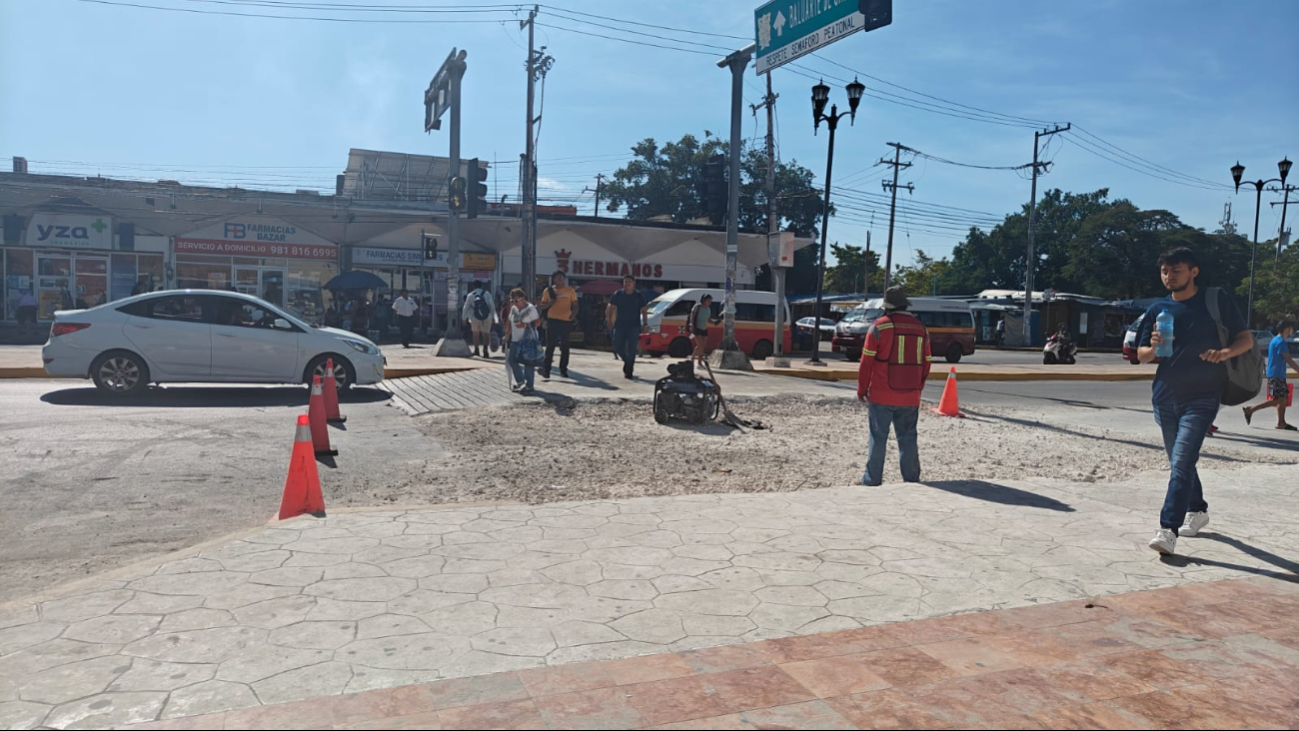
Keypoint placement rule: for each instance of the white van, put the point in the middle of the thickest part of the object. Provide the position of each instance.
(949, 322)
(755, 322)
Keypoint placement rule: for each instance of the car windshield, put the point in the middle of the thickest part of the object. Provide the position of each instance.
(860, 314)
(658, 306)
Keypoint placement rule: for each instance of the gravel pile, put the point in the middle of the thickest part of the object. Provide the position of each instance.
(589, 450)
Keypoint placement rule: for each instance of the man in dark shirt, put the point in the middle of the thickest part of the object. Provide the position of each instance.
(1187, 387)
(627, 316)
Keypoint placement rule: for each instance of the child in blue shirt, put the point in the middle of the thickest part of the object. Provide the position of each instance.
(1278, 355)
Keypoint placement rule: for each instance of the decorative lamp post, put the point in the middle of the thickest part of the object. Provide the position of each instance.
(1237, 171)
(820, 96)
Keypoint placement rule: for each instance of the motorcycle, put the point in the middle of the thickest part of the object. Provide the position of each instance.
(1059, 349)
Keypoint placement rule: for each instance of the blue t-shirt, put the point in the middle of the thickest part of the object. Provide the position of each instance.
(629, 307)
(1184, 376)
(1276, 352)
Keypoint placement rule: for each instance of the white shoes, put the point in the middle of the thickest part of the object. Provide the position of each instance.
(1195, 522)
(1165, 541)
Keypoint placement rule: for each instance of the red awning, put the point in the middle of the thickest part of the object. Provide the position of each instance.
(602, 287)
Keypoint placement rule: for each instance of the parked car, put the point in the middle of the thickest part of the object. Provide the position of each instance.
(201, 336)
(806, 324)
(1130, 341)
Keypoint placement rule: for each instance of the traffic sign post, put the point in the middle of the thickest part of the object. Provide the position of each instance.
(785, 30)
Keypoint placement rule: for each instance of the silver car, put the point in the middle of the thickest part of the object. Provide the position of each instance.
(201, 336)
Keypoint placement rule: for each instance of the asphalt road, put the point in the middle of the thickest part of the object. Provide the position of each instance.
(88, 483)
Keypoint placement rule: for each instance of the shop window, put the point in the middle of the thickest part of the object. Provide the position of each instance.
(18, 278)
(203, 275)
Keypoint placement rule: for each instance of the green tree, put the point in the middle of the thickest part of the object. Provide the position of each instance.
(1276, 286)
(1113, 253)
(995, 260)
(926, 277)
(852, 266)
(664, 181)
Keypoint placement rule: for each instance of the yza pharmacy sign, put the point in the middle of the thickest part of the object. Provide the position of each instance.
(68, 231)
(784, 30)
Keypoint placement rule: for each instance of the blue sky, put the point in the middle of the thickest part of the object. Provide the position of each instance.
(1191, 86)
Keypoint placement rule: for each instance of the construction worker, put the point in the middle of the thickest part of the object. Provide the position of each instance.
(894, 367)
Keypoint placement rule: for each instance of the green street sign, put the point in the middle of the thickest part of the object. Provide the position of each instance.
(784, 30)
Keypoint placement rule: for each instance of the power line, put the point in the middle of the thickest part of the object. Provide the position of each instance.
(121, 3)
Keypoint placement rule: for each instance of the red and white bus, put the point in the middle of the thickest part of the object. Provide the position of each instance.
(755, 322)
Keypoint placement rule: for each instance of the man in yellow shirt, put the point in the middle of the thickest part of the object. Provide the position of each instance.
(559, 303)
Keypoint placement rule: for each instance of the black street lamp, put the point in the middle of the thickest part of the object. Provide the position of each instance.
(1237, 171)
(821, 95)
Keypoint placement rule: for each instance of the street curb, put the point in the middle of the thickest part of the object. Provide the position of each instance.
(21, 372)
(941, 375)
(25, 372)
(132, 568)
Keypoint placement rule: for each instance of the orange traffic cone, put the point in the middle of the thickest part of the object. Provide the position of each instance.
(316, 417)
(302, 487)
(332, 414)
(949, 404)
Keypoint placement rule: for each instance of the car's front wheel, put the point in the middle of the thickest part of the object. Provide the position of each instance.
(120, 373)
(344, 373)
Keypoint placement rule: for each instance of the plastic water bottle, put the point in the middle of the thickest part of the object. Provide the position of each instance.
(1164, 326)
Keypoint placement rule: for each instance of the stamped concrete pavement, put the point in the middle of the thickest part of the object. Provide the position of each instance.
(367, 600)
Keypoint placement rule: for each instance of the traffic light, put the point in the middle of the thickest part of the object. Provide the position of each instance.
(457, 196)
(477, 189)
(713, 190)
(430, 248)
(879, 13)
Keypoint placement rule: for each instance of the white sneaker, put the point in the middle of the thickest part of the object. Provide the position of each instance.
(1195, 522)
(1164, 541)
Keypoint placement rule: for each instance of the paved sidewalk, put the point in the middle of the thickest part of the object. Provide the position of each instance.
(368, 600)
(1210, 655)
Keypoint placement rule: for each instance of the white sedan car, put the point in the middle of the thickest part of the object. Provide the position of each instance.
(201, 336)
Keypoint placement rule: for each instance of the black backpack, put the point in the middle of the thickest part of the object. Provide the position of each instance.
(482, 310)
(1245, 371)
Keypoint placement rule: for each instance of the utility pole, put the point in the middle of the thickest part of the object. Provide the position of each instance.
(773, 220)
(599, 178)
(1032, 230)
(866, 266)
(730, 355)
(1280, 233)
(528, 208)
(897, 164)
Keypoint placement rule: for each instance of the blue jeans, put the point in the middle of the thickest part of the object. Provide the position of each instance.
(522, 373)
(625, 342)
(905, 420)
(1185, 425)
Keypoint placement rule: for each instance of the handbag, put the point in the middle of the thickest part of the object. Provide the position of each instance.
(530, 350)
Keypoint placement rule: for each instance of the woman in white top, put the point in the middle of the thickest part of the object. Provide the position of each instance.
(522, 315)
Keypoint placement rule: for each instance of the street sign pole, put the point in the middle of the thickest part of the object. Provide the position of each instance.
(730, 356)
(452, 343)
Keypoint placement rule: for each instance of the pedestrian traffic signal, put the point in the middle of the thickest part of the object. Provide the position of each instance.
(430, 248)
(457, 198)
(477, 189)
(713, 190)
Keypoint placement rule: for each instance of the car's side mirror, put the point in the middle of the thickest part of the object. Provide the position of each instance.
(282, 324)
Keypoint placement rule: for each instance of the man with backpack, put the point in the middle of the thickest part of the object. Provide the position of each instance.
(479, 315)
(559, 303)
(894, 367)
(1208, 332)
